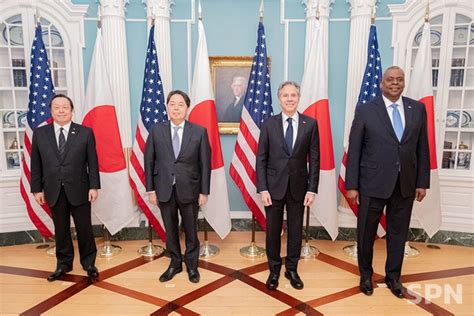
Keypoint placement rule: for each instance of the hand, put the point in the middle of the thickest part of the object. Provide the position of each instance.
(266, 198)
(39, 198)
(309, 198)
(152, 198)
(352, 196)
(93, 195)
(420, 194)
(202, 199)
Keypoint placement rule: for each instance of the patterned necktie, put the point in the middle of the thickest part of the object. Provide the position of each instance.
(397, 122)
(289, 135)
(176, 141)
(62, 142)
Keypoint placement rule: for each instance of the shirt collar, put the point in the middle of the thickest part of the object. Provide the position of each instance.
(180, 125)
(388, 102)
(65, 127)
(294, 117)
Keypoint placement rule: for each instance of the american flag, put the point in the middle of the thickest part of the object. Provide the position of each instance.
(41, 92)
(369, 90)
(152, 111)
(257, 108)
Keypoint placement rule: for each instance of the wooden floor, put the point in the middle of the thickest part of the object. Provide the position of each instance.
(233, 285)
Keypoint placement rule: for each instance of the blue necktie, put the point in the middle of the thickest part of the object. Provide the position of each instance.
(289, 135)
(397, 122)
(175, 141)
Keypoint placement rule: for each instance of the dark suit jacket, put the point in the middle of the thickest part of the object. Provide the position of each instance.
(375, 156)
(78, 170)
(192, 168)
(276, 167)
(234, 112)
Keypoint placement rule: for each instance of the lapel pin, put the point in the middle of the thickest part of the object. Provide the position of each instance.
(409, 106)
(73, 131)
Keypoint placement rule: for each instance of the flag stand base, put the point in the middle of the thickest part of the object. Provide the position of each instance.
(351, 250)
(150, 250)
(108, 250)
(410, 252)
(308, 251)
(208, 251)
(253, 251)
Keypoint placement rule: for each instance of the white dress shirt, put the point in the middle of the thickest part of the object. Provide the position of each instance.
(294, 124)
(400, 108)
(57, 130)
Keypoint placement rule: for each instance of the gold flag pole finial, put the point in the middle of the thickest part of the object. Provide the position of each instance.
(427, 11)
(261, 10)
(37, 16)
(153, 15)
(372, 16)
(317, 12)
(199, 11)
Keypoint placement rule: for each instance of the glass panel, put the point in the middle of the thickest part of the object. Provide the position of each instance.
(454, 101)
(452, 119)
(456, 78)
(6, 100)
(21, 98)
(461, 34)
(10, 140)
(436, 20)
(57, 59)
(13, 160)
(470, 59)
(447, 161)
(21, 119)
(5, 78)
(467, 119)
(466, 141)
(4, 62)
(59, 78)
(463, 160)
(450, 140)
(469, 99)
(3, 34)
(51, 36)
(435, 36)
(459, 53)
(8, 119)
(22, 139)
(469, 78)
(462, 19)
(471, 39)
(13, 33)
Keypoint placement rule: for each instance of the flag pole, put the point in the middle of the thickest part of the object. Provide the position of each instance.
(206, 250)
(253, 251)
(150, 250)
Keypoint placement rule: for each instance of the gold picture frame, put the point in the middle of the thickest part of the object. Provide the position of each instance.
(229, 74)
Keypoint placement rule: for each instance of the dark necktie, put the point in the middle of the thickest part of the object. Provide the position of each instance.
(62, 142)
(289, 135)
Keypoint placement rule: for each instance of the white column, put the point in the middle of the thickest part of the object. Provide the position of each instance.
(115, 50)
(361, 11)
(312, 7)
(161, 10)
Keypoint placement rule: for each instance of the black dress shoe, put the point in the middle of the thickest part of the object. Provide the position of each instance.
(170, 273)
(272, 281)
(294, 278)
(92, 273)
(366, 286)
(395, 287)
(58, 274)
(194, 276)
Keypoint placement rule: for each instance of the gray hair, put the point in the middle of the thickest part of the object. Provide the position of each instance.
(289, 83)
(393, 67)
(239, 79)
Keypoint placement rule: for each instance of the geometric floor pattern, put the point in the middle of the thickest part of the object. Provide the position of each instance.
(233, 285)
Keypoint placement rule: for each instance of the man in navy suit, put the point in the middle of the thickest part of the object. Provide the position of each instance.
(65, 175)
(388, 165)
(178, 175)
(288, 143)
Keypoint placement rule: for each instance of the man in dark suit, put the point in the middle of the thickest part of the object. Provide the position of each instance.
(178, 174)
(65, 175)
(233, 111)
(288, 143)
(388, 165)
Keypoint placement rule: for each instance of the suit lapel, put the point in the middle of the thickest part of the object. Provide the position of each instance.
(52, 139)
(279, 123)
(382, 113)
(408, 109)
(169, 142)
(73, 131)
(187, 132)
(301, 129)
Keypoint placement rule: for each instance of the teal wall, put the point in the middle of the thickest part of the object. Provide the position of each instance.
(231, 27)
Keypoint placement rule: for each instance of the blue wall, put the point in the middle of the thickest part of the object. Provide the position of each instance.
(231, 27)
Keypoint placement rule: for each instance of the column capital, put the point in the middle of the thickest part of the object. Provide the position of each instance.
(362, 7)
(113, 7)
(312, 7)
(158, 8)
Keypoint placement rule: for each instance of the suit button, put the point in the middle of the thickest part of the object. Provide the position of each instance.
(397, 163)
